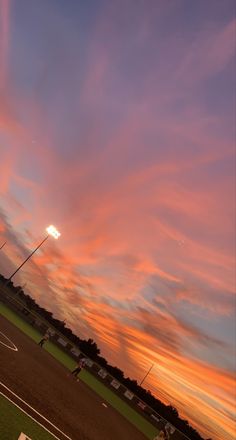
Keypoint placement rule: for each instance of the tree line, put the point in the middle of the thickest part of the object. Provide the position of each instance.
(90, 349)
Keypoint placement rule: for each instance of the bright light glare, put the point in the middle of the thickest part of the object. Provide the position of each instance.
(51, 230)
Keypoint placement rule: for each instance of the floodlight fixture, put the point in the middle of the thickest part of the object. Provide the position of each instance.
(53, 232)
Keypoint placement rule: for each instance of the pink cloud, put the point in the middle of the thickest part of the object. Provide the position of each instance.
(145, 227)
(210, 53)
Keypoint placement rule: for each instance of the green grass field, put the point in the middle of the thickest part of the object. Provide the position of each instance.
(111, 398)
(13, 421)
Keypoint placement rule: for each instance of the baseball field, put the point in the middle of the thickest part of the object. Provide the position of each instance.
(39, 401)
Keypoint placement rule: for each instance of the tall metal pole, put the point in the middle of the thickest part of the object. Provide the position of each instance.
(146, 375)
(9, 279)
(2, 245)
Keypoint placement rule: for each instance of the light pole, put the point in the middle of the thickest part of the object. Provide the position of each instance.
(2, 245)
(146, 375)
(51, 231)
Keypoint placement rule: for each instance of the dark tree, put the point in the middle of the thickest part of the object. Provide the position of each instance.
(90, 348)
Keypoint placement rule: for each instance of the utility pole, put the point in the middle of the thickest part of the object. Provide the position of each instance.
(146, 375)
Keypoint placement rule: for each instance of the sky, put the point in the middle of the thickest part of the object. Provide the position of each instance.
(117, 126)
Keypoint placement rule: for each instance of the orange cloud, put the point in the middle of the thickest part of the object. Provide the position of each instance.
(145, 215)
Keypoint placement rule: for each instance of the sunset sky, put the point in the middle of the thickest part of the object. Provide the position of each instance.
(117, 125)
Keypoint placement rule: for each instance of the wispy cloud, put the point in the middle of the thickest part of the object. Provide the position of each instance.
(120, 143)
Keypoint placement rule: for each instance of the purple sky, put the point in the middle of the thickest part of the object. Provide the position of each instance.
(117, 125)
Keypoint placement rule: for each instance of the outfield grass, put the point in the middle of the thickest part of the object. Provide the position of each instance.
(122, 407)
(13, 421)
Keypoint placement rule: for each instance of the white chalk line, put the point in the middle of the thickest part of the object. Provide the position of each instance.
(38, 423)
(44, 418)
(14, 348)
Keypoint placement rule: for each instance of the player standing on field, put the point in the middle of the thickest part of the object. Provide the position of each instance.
(81, 364)
(44, 339)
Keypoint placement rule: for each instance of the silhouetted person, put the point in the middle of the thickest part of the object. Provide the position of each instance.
(81, 364)
(44, 339)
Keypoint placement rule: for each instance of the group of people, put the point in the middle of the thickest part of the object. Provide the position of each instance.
(81, 363)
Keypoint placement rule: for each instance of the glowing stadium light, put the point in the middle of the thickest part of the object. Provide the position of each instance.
(51, 230)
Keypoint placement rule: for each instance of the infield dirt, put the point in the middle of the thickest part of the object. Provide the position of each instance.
(34, 375)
